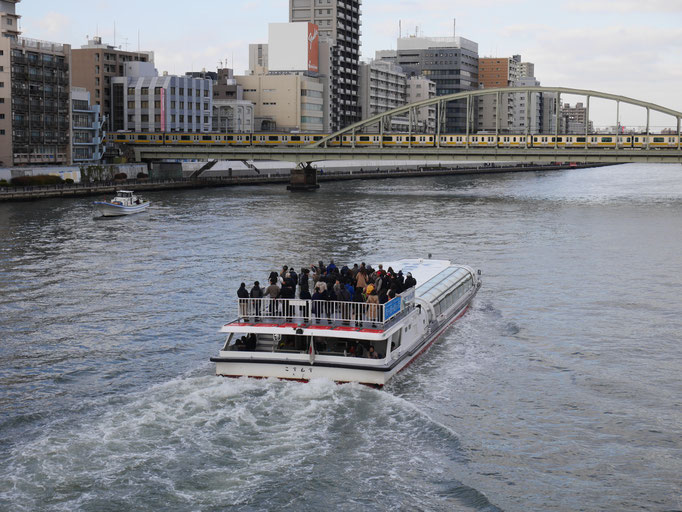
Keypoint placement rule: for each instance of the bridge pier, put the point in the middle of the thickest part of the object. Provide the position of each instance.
(303, 178)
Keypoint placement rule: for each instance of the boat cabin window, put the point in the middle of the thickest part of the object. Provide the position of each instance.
(348, 347)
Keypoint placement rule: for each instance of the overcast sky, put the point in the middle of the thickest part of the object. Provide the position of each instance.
(627, 47)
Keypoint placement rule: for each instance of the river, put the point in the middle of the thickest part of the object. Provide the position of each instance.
(559, 390)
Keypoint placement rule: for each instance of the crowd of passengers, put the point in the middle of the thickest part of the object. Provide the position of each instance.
(359, 284)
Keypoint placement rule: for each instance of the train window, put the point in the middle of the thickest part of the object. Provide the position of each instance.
(431, 139)
(535, 139)
(627, 140)
(659, 139)
(142, 137)
(120, 137)
(491, 139)
(206, 137)
(317, 137)
(636, 139)
(387, 138)
(273, 138)
(295, 138)
(184, 137)
(559, 139)
(229, 137)
(580, 139)
(606, 139)
(364, 139)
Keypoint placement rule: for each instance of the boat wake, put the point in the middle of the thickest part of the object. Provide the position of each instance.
(204, 441)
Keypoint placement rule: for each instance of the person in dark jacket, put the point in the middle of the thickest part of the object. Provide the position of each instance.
(243, 293)
(410, 281)
(256, 293)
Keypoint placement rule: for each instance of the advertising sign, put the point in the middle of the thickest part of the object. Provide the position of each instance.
(313, 48)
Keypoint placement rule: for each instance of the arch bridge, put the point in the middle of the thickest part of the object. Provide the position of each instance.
(343, 145)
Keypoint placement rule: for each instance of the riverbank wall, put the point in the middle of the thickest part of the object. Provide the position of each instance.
(268, 177)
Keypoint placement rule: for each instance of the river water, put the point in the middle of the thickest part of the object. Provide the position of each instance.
(560, 389)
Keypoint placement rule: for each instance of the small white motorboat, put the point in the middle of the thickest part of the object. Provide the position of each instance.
(125, 203)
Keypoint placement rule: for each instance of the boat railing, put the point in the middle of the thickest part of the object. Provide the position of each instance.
(321, 311)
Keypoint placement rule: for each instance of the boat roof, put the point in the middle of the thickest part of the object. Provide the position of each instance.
(124, 191)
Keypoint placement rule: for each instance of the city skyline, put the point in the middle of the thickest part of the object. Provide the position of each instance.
(620, 47)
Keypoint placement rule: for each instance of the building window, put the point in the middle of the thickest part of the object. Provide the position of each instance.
(2, 132)
(157, 90)
(144, 104)
(144, 118)
(131, 91)
(145, 91)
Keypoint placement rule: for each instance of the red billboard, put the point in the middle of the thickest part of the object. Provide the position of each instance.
(313, 48)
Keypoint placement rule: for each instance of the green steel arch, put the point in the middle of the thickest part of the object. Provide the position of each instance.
(440, 101)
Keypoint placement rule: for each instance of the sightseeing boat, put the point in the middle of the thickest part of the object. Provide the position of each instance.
(125, 203)
(347, 341)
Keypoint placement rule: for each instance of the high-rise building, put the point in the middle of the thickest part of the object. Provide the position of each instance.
(496, 72)
(383, 86)
(142, 101)
(450, 62)
(339, 25)
(420, 88)
(96, 63)
(35, 87)
(258, 59)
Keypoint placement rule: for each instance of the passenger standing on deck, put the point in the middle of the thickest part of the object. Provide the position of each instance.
(373, 304)
(294, 276)
(304, 282)
(288, 291)
(410, 281)
(243, 293)
(317, 297)
(272, 292)
(256, 293)
(361, 280)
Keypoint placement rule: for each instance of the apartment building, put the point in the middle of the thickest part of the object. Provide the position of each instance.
(450, 62)
(339, 25)
(35, 104)
(142, 101)
(87, 138)
(94, 66)
(420, 88)
(383, 87)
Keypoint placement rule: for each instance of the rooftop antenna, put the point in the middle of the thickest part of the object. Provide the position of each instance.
(400, 29)
(454, 27)
(114, 34)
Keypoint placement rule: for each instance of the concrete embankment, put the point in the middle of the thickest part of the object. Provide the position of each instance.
(108, 188)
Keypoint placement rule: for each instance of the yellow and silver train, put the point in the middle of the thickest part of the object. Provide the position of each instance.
(627, 141)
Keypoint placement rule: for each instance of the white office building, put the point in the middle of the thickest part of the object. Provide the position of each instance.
(142, 101)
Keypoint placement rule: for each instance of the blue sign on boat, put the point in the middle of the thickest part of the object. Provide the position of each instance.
(391, 308)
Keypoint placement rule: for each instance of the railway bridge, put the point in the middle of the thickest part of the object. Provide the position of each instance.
(347, 144)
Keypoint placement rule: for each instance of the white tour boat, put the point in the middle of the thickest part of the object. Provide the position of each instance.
(125, 203)
(303, 339)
